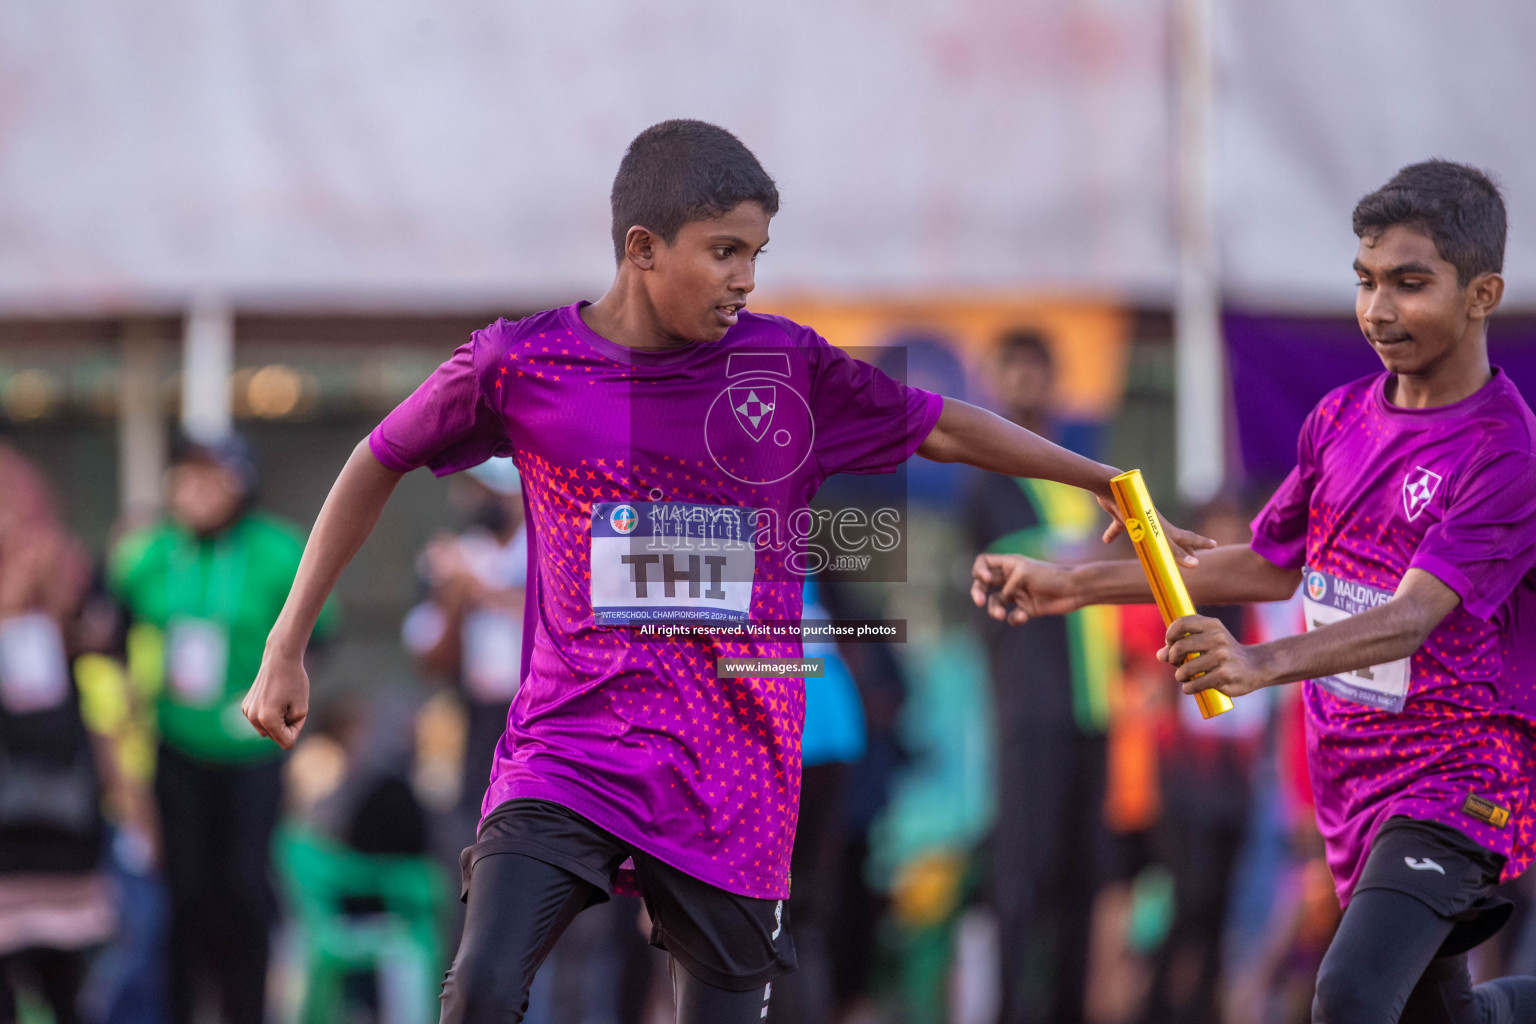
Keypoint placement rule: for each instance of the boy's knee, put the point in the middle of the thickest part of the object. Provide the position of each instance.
(478, 990)
(1349, 997)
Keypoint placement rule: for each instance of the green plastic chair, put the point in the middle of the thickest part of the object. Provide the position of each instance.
(402, 945)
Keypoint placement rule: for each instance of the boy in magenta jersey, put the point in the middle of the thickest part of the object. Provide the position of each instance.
(1410, 520)
(669, 442)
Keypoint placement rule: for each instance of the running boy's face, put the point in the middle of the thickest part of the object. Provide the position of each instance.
(1410, 305)
(698, 282)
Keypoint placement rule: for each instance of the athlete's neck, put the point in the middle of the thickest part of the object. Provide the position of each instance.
(1460, 373)
(625, 316)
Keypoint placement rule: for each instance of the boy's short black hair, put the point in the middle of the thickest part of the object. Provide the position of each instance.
(1457, 206)
(681, 171)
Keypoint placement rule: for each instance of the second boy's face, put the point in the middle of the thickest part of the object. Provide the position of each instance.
(700, 281)
(1409, 303)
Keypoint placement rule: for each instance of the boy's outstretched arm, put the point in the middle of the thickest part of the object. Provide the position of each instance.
(1015, 589)
(279, 698)
(967, 433)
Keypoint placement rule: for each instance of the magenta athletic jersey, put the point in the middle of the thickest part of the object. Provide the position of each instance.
(642, 473)
(1449, 734)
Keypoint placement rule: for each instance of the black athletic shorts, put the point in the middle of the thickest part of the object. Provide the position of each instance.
(733, 942)
(1443, 869)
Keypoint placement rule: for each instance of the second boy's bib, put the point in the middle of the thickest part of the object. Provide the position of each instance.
(1329, 599)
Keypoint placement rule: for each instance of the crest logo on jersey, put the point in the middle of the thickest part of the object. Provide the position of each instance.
(1317, 586)
(624, 519)
(1419, 489)
(754, 408)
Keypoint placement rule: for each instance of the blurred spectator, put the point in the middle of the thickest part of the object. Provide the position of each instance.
(1206, 769)
(833, 737)
(470, 628)
(924, 844)
(368, 900)
(1278, 983)
(55, 903)
(867, 788)
(1052, 680)
(203, 589)
(374, 808)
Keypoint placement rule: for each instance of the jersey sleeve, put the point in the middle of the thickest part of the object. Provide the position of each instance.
(1280, 528)
(866, 421)
(1485, 544)
(449, 423)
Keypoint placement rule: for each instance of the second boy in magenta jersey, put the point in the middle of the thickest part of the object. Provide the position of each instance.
(669, 443)
(1410, 523)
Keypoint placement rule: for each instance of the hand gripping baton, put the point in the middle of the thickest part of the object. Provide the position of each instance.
(1146, 532)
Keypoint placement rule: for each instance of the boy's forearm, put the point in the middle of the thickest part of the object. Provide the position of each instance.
(1347, 646)
(967, 433)
(1230, 574)
(347, 517)
(1113, 582)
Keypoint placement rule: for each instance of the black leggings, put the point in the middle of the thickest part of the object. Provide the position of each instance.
(1382, 969)
(518, 907)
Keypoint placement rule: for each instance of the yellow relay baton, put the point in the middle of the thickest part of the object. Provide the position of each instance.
(1146, 532)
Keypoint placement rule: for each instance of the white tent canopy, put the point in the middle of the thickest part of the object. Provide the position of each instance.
(403, 152)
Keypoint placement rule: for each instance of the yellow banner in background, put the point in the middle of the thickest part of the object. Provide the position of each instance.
(1090, 341)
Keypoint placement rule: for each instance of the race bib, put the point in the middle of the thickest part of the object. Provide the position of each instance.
(196, 661)
(34, 673)
(493, 654)
(1327, 600)
(668, 561)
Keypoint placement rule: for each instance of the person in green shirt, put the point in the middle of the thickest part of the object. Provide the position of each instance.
(202, 589)
(1052, 680)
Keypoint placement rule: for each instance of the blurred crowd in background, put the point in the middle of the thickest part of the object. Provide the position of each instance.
(998, 824)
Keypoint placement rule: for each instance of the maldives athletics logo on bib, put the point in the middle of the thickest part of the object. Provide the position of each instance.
(624, 519)
(1419, 489)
